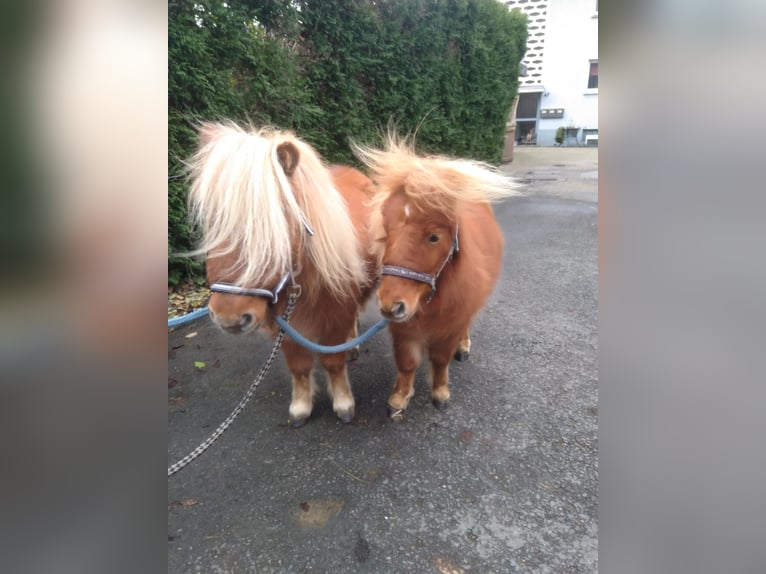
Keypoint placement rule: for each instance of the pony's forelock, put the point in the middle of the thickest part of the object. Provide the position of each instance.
(247, 207)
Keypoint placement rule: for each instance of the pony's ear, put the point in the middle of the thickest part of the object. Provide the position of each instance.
(288, 156)
(207, 131)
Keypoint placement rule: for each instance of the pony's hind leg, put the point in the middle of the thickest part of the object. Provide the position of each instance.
(338, 385)
(464, 347)
(408, 355)
(353, 354)
(300, 363)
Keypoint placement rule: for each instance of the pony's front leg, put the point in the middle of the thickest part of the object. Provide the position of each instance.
(338, 387)
(464, 347)
(408, 355)
(300, 362)
(353, 354)
(439, 356)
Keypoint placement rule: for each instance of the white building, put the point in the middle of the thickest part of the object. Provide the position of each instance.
(560, 88)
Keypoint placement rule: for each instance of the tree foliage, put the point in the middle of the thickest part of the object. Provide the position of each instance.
(337, 69)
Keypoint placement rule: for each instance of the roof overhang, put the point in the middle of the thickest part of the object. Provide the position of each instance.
(531, 89)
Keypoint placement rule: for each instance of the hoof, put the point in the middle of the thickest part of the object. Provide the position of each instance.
(441, 405)
(346, 417)
(462, 355)
(395, 414)
(352, 355)
(298, 423)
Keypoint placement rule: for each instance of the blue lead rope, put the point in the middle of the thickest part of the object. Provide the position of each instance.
(184, 319)
(294, 335)
(329, 349)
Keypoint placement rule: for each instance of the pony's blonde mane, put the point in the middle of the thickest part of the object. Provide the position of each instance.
(434, 181)
(250, 209)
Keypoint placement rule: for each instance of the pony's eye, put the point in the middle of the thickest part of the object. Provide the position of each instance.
(433, 238)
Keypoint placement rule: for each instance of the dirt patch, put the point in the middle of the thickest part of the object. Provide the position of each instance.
(317, 513)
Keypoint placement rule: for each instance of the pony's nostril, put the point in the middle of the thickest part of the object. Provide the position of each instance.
(245, 320)
(398, 310)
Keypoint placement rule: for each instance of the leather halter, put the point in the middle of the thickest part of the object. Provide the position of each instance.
(272, 294)
(427, 278)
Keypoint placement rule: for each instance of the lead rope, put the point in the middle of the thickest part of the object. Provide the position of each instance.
(295, 292)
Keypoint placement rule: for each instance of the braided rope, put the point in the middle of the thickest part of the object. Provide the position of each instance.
(235, 413)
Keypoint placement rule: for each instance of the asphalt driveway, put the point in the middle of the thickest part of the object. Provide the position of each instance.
(504, 480)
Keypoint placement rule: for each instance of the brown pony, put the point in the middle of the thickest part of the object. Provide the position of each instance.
(273, 215)
(441, 252)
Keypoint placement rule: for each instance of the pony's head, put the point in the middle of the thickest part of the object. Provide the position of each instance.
(268, 208)
(419, 203)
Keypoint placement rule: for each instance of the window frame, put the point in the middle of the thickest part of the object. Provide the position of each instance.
(590, 88)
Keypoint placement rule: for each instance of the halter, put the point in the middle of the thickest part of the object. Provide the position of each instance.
(272, 294)
(426, 278)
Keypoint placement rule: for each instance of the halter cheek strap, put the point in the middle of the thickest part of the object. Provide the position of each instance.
(232, 289)
(427, 278)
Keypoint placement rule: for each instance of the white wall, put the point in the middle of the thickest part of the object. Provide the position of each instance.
(571, 41)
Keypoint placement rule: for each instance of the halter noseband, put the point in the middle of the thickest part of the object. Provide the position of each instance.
(272, 294)
(426, 278)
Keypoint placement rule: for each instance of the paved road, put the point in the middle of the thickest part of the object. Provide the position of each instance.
(505, 480)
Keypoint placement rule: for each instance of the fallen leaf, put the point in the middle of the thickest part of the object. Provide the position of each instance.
(172, 383)
(373, 474)
(184, 502)
(199, 364)
(446, 567)
(176, 401)
(177, 346)
(191, 335)
(305, 506)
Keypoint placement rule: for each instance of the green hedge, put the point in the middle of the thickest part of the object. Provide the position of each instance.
(335, 69)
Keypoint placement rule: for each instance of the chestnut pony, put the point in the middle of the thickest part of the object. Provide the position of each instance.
(272, 216)
(441, 251)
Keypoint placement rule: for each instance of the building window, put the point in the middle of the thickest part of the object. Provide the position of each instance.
(593, 76)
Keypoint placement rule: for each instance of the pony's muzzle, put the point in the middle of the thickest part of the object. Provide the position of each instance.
(234, 323)
(397, 312)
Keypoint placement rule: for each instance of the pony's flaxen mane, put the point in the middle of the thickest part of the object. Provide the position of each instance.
(432, 182)
(249, 208)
